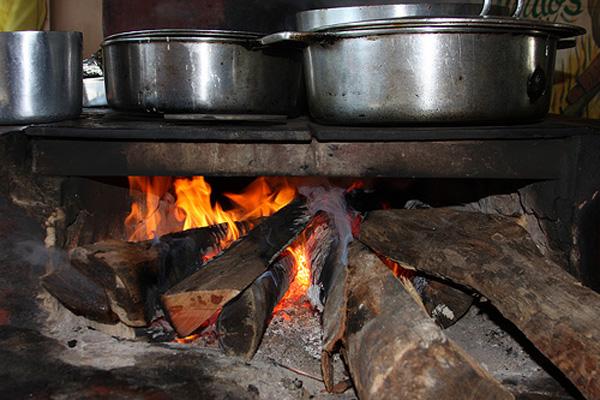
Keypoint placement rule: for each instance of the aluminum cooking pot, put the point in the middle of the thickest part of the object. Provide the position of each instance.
(200, 72)
(41, 76)
(430, 70)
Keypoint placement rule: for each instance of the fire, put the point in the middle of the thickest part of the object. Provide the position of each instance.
(302, 279)
(163, 205)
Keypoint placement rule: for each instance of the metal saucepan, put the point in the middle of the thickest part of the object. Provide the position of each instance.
(200, 72)
(41, 76)
(430, 70)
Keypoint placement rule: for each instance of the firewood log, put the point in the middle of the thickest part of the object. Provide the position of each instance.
(494, 256)
(392, 347)
(195, 299)
(134, 275)
(244, 320)
(119, 267)
(444, 303)
(79, 294)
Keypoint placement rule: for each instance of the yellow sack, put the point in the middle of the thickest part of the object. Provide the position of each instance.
(22, 15)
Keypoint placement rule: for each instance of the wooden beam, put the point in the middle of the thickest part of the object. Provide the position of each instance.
(494, 256)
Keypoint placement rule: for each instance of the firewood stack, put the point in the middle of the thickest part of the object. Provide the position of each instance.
(382, 322)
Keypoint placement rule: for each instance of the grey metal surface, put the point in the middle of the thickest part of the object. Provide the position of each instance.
(321, 19)
(99, 124)
(431, 70)
(202, 72)
(41, 76)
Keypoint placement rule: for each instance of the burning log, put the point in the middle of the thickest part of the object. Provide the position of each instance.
(494, 256)
(79, 295)
(195, 299)
(244, 320)
(392, 347)
(133, 275)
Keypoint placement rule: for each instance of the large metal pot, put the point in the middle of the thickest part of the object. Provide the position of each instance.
(41, 76)
(200, 72)
(430, 70)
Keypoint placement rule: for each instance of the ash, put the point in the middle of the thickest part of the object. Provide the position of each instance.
(293, 338)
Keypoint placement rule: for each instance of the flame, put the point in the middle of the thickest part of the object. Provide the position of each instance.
(163, 205)
(302, 275)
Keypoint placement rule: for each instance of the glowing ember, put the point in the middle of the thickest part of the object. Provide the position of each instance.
(187, 339)
(398, 270)
(162, 205)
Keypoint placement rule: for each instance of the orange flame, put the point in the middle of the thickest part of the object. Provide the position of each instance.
(162, 205)
(302, 279)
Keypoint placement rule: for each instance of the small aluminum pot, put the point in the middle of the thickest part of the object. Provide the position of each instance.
(41, 79)
(431, 70)
(200, 72)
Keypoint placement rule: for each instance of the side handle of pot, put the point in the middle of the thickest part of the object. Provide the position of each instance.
(487, 6)
(300, 39)
(565, 44)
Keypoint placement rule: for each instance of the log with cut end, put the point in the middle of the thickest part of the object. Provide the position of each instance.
(244, 320)
(195, 299)
(392, 347)
(119, 267)
(79, 294)
(133, 275)
(494, 256)
(444, 303)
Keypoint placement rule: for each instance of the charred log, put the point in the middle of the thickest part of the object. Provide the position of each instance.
(244, 320)
(444, 303)
(133, 275)
(495, 256)
(195, 299)
(119, 268)
(392, 347)
(79, 295)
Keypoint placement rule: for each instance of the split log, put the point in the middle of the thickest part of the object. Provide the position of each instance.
(79, 295)
(444, 303)
(119, 267)
(244, 320)
(195, 299)
(135, 274)
(494, 256)
(392, 347)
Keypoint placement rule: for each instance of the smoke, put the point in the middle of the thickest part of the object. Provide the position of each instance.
(37, 255)
(332, 201)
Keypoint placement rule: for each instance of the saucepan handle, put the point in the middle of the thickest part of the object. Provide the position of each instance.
(487, 6)
(565, 44)
(300, 39)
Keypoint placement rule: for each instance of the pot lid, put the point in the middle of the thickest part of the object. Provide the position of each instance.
(159, 35)
(324, 18)
(457, 25)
